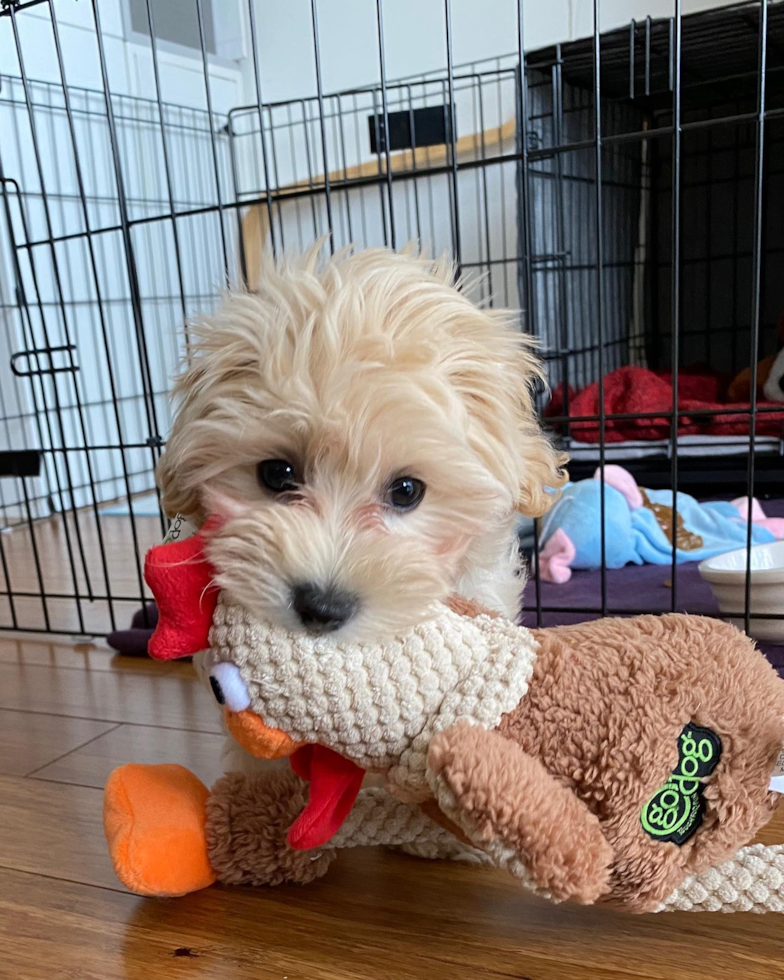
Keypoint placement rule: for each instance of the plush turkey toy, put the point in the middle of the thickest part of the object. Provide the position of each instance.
(624, 761)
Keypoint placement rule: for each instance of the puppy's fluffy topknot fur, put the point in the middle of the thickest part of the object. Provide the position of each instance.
(358, 370)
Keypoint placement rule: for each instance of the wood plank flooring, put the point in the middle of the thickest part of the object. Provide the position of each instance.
(68, 714)
(75, 571)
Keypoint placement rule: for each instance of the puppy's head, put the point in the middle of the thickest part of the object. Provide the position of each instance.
(361, 426)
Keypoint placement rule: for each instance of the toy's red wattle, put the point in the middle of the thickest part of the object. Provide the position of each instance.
(180, 578)
(334, 784)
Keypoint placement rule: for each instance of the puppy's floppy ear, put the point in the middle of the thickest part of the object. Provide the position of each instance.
(222, 354)
(497, 380)
(541, 467)
(175, 498)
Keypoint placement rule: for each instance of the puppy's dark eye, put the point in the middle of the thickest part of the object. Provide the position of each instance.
(405, 493)
(277, 475)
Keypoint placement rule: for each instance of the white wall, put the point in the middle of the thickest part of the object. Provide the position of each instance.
(415, 35)
(128, 63)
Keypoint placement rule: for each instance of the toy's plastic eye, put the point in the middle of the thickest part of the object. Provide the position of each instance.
(277, 475)
(405, 493)
(228, 687)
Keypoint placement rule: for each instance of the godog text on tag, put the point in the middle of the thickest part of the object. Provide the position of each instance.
(675, 811)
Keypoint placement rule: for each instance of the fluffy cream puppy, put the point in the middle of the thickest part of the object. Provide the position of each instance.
(369, 434)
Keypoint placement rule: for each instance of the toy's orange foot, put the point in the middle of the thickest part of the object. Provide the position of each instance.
(153, 817)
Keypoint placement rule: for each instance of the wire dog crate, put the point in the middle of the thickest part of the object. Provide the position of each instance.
(622, 191)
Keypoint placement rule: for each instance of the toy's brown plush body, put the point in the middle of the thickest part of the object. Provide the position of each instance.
(600, 725)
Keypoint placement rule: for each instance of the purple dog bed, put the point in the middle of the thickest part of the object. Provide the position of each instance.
(634, 589)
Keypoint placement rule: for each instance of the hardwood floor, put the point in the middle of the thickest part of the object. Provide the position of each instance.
(76, 589)
(69, 714)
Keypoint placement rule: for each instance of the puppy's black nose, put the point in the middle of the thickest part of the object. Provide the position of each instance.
(323, 610)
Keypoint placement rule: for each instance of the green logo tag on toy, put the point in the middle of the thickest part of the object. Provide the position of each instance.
(675, 811)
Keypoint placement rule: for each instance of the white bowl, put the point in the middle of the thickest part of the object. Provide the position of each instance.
(727, 577)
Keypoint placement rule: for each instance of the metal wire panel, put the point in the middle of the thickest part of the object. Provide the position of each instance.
(369, 203)
(621, 191)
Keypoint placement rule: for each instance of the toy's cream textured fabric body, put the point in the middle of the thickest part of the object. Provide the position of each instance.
(378, 704)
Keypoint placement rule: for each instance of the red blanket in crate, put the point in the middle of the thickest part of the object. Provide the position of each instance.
(637, 391)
